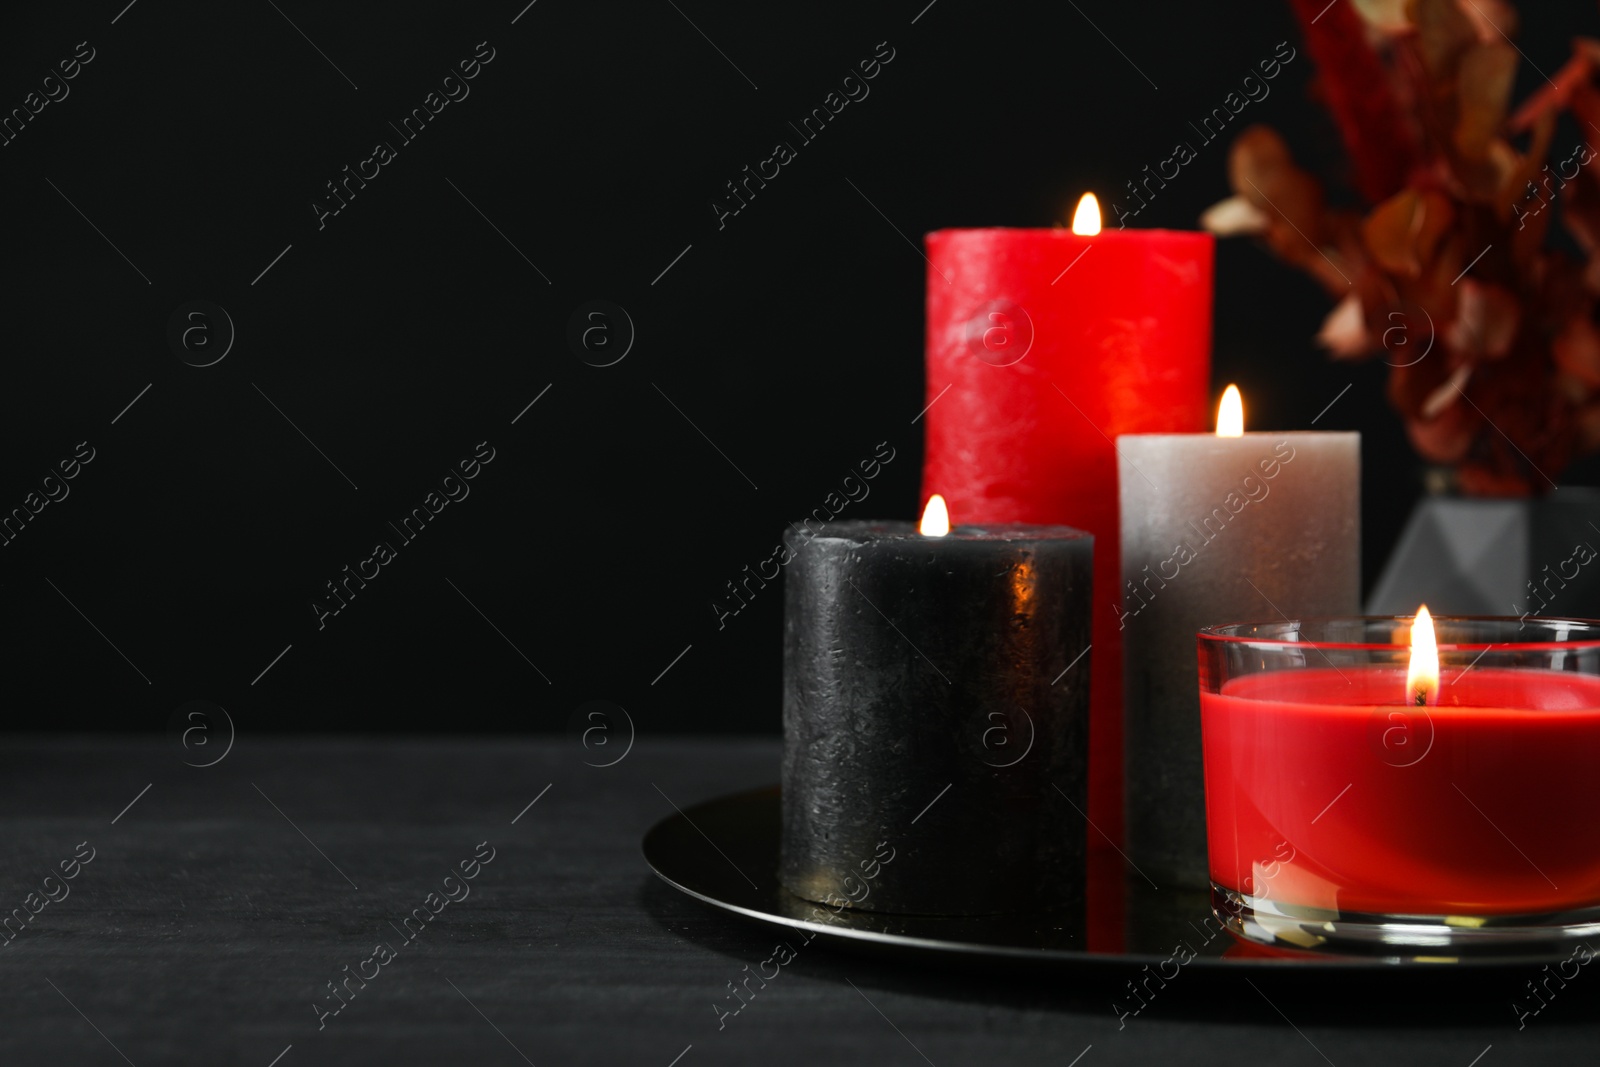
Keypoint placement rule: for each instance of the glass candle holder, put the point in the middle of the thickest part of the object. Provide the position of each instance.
(1342, 813)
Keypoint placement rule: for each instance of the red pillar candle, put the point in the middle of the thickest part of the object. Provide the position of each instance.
(1042, 347)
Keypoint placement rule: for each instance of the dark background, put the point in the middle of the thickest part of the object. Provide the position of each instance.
(408, 329)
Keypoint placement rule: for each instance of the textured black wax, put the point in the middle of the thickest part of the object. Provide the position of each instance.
(935, 715)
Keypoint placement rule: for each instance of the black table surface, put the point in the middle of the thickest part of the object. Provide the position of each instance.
(219, 905)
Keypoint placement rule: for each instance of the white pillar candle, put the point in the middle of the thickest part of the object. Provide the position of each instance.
(1216, 529)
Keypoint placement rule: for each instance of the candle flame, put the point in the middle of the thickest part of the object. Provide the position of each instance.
(935, 518)
(1086, 220)
(1422, 677)
(1230, 413)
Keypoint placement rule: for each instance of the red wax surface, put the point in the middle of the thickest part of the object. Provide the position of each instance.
(1484, 804)
(1117, 341)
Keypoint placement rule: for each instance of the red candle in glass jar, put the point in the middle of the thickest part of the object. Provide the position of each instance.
(1388, 791)
(1042, 347)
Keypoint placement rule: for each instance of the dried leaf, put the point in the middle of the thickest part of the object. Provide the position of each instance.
(1485, 322)
(1492, 20)
(1233, 217)
(1483, 91)
(1261, 171)
(1446, 438)
(1446, 394)
(1403, 231)
(1443, 34)
(1259, 163)
(1412, 384)
(1386, 16)
(1344, 332)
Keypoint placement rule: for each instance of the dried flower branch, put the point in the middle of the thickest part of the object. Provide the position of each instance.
(1492, 336)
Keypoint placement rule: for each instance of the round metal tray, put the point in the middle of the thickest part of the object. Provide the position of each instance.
(725, 852)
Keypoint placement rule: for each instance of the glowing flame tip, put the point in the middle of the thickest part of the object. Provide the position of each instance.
(1086, 220)
(935, 518)
(1230, 413)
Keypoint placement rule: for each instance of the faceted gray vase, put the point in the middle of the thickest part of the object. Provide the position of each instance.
(1466, 556)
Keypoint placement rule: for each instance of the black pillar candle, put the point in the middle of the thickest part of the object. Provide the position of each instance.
(935, 717)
